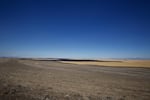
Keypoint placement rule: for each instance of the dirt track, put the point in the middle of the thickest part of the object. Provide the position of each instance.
(53, 80)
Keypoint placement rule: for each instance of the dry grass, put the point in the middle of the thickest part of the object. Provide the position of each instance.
(52, 80)
(120, 63)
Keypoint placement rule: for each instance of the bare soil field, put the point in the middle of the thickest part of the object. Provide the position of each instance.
(54, 80)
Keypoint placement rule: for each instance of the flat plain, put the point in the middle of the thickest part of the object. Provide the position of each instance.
(114, 63)
(27, 79)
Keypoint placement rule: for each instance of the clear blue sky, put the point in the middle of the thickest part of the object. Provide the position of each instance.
(75, 28)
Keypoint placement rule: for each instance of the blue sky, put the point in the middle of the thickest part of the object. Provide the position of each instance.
(75, 28)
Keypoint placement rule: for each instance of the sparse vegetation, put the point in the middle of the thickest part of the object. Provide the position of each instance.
(27, 79)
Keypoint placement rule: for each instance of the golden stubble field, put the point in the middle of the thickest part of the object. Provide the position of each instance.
(114, 63)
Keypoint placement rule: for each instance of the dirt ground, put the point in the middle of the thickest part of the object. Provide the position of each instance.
(53, 80)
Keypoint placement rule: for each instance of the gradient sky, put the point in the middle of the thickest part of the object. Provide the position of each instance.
(75, 28)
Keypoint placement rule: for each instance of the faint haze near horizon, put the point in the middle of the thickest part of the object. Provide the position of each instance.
(75, 28)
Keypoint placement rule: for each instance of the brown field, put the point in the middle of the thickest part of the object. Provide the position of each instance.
(114, 63)
(22, 79)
